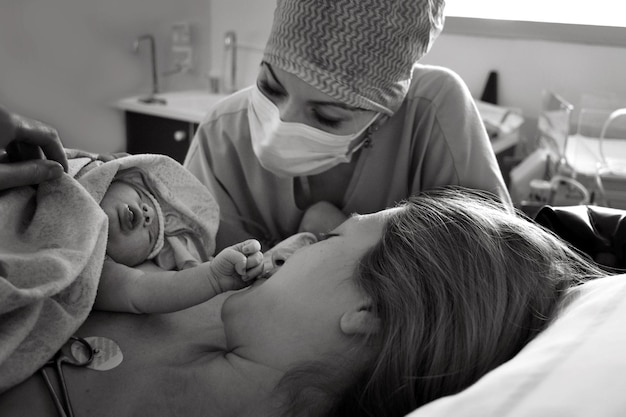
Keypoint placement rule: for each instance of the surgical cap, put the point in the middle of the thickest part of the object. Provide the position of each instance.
(360, 52)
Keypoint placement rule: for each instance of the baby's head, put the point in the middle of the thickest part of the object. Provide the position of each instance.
(135, 220)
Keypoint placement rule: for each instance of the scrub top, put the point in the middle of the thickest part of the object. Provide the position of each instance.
(436, 138)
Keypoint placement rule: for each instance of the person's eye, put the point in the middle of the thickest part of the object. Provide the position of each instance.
(327, 121)
(270, 91)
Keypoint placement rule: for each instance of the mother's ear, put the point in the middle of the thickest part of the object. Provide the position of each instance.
(361, 321)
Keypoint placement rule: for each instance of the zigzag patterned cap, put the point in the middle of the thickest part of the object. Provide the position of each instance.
(360, 52)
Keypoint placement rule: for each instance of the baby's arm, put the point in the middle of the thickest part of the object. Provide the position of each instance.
(153, 290)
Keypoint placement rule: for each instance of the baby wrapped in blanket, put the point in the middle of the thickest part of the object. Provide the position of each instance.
(158, 211)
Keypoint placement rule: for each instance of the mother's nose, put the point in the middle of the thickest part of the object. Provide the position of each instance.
(148, 214)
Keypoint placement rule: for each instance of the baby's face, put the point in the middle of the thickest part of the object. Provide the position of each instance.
(133, 226)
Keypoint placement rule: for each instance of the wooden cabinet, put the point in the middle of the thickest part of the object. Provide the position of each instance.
(154, 134)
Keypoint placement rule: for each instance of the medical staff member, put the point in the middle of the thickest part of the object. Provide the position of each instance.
(24, 139)
(341, 120)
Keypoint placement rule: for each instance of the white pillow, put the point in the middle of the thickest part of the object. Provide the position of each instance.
(576, 367)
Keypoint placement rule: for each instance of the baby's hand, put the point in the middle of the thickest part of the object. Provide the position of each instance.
(234, 267)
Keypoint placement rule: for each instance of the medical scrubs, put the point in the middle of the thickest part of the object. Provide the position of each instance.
(436, 138)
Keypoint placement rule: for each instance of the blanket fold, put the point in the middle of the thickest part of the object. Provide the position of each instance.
(52, 246)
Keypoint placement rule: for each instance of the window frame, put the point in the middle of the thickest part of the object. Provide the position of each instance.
(557, 32)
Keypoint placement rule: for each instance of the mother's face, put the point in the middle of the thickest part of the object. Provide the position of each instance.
(300, 308)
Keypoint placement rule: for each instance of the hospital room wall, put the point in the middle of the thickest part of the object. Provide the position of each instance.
(525, 67)
(67, 61)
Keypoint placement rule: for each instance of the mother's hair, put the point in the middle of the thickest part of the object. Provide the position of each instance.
(460, 284)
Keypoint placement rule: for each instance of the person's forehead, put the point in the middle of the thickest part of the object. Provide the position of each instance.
(304, 90)
(371, 220)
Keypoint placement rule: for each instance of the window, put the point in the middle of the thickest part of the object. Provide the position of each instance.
(600, 22)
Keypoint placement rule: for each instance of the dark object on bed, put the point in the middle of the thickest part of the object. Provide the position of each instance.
(599, 232)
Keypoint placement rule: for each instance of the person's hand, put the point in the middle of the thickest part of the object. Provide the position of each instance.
(238, 265)
(320, 218)
(33, 151)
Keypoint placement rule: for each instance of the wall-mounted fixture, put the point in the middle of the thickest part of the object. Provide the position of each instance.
(230, 52)
(151, 98)
(231, 47)
(181, 48)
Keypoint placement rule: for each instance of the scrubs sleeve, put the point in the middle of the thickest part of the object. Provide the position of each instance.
(458, 146)
(200, 161)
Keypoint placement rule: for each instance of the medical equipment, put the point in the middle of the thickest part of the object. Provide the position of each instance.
(559, 184)
(597, 153)
(553, 124)
(592, 160)
(64, 356)
(612, 169)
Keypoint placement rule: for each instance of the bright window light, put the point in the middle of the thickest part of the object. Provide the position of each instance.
(595, 13)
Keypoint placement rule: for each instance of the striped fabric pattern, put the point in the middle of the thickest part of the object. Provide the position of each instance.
(360, 52)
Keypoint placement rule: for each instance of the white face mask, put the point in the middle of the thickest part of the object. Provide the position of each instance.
(294, 149)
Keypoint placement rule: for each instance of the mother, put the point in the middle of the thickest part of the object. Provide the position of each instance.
(341, 120)
(391, 310)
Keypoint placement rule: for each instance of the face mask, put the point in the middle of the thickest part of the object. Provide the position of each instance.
(294, 149)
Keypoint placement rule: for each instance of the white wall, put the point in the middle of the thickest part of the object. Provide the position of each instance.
(67, 61)
(526, 67)
(252, 21)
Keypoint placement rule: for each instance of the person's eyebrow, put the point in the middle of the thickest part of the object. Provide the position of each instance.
(314, 102)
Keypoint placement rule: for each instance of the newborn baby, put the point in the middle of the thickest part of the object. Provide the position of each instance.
(158, 212)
